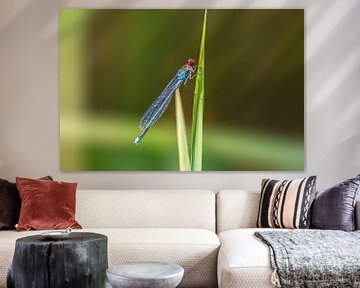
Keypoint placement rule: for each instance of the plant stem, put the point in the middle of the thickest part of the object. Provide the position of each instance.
(183, 151)
(198, 108)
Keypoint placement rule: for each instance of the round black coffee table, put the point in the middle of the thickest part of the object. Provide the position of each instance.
(80, 261)
(145, 275)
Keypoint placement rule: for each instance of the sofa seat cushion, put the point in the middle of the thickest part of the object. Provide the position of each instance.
(194, 249)
(244, 261)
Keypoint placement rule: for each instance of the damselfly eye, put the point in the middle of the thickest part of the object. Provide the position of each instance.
(191, 62)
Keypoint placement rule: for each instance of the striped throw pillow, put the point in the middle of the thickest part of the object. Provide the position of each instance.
(286, 204)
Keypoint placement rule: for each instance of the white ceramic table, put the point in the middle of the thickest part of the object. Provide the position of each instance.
(145, 275)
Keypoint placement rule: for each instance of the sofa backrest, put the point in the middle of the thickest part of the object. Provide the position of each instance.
(236, 209)
(146, 209)
(239, 209)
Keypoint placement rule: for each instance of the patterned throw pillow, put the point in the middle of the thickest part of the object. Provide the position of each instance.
(286, 204)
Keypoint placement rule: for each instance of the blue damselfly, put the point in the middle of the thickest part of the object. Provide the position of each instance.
(158, 107)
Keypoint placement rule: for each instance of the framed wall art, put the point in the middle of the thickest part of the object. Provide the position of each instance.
(182, 90)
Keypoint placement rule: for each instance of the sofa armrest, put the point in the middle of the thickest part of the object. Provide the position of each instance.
(357, 215)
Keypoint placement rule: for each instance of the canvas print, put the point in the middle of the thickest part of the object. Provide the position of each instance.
(182, 90)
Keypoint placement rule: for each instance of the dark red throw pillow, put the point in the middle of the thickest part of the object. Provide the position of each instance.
(46, 204)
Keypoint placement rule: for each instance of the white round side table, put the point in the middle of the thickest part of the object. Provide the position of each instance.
(145, 275)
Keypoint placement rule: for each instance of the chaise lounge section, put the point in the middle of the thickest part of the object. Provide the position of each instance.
(244, 260)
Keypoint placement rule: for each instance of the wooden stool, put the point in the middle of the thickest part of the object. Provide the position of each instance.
(78, 261)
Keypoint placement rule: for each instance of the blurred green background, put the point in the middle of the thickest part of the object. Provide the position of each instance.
(114, 63)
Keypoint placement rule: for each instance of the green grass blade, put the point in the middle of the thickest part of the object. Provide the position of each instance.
(198, 108)
(183, 151)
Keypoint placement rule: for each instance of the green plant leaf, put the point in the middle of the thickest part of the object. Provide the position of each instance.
(183, 151)
(198, 108)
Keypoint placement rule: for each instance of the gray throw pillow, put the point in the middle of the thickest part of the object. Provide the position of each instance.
(334, 208)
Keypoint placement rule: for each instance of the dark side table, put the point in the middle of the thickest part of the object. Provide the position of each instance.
(78, 261)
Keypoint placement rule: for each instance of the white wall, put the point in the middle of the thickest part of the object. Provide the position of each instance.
(29, 94)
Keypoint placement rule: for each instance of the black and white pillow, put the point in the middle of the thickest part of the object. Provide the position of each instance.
(286, 204)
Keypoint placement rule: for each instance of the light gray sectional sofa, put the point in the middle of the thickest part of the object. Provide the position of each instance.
(210, 235)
